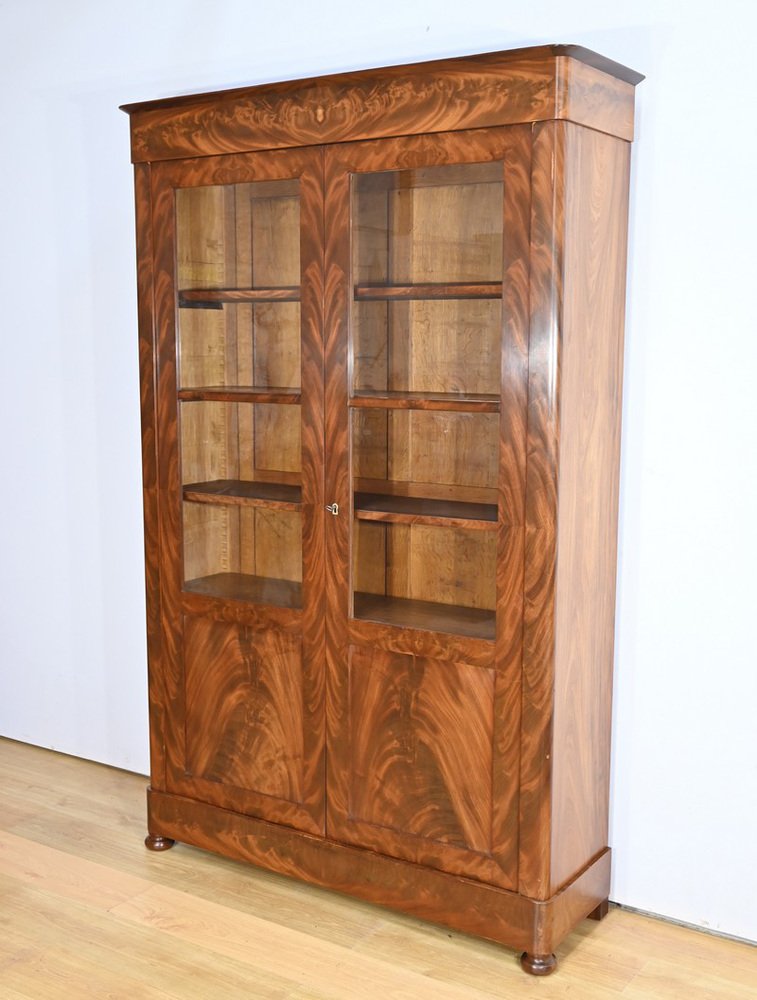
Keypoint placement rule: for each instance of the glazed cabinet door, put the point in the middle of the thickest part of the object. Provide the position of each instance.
(426, 346)
(238, 682)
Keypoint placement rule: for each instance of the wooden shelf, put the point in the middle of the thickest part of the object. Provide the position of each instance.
(278, 496)
(436, 290)
(241, 394)
(216, 298)
(420, 510)
(403, 613)
(472, 402)
(251, 589)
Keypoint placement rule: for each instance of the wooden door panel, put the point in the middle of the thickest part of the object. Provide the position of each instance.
(250, 735)
(420, 746)
(418, 749)
(244, 708)
(238, 302)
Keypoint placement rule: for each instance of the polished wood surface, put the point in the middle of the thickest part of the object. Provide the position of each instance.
(413, 510)
(89, 912)
(499, 88)
(196, 297)
(434, 579)
(233, 553)
(148, 380)
(381, 384)
(439, 290)
(398, 399)
(279, 496)
(594, 261)
(545, 277)
(241, 394)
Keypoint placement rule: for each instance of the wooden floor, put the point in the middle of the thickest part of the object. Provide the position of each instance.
(86, 911)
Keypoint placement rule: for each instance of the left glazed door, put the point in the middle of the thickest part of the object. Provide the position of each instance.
(237, 680)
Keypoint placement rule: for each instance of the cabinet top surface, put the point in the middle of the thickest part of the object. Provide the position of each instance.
(541, 83)
(489, 60)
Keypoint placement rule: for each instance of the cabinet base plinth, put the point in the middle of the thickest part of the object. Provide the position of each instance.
(538, 965)
(526, 925)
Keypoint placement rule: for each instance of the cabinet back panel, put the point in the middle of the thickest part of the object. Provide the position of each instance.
(220, 539)
(437, 226)
(414, 562)
(240, 236)
(235, 440)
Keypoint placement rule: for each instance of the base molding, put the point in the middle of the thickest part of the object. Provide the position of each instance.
(533, 926)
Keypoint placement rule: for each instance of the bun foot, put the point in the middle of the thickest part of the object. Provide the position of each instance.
(538, 965)
(157, 843)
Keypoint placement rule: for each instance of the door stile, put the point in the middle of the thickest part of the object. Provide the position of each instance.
(158, 704)
(337, 465)
(512, 488)
(313, 501)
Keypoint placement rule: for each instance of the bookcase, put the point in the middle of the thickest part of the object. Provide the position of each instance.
(381, 323)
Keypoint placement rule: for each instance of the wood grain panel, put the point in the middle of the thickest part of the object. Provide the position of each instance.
(244, 696)
(546, 270)
(421, 733)
(500, 88)
(247, 725)
(169, 479)
(313, 440)
(158, 697)
(596, 203)
(437, 645)
(510, 567)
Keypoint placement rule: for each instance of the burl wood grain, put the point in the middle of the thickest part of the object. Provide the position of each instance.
(500, 88)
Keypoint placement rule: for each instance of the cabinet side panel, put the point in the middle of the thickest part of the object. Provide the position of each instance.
(596, 203)
(147, 374)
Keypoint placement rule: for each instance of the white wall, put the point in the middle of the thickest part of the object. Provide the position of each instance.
(72, 674)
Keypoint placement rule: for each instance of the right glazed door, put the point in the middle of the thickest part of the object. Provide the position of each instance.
(426, 361)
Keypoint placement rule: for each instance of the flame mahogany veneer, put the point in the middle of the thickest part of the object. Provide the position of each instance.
(452, 764)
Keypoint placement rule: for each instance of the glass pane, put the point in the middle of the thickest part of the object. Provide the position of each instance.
(240, 470)
(426, 335)
(425, 577)
(425, 518)
(427, 273)
(238, 278)
(244, 553)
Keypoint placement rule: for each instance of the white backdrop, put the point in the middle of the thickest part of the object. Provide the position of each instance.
(72, 673)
